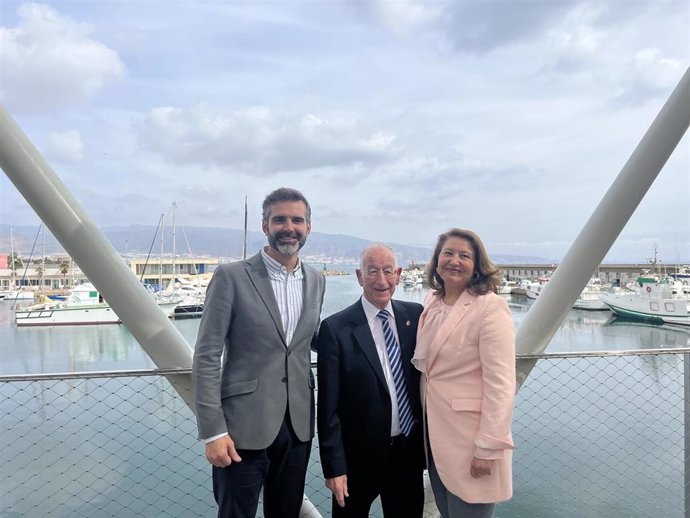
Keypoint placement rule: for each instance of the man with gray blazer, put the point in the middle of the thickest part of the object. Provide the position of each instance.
(254, 389)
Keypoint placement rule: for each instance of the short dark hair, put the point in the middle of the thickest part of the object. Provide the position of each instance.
(486, 274)
(284, 194)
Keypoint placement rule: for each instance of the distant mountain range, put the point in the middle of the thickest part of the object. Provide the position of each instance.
(220, 242)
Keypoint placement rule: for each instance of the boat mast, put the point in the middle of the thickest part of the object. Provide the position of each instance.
(12, 262)
(244, 247)
(160, 265)
(174, 228)
(43, 259)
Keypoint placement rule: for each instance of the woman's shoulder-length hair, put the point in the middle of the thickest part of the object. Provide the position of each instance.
(486, 274)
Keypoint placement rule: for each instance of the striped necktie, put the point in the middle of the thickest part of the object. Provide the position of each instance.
(393, 349)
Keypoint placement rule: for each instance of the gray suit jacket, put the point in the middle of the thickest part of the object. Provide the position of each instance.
(261, 374)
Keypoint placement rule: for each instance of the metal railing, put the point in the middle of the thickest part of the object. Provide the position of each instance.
(597, 434)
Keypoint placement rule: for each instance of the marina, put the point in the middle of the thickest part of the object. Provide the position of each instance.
(69, 349)
(97, 420)
(137, 406)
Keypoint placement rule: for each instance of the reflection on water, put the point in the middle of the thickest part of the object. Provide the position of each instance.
(111, 347)
(649, 335)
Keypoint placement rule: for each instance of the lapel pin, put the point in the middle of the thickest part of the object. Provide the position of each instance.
(408, 323)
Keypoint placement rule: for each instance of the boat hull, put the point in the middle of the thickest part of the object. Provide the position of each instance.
(189, 311)
(649, 309)
(590, 305)
(97, 314)
(91, 315)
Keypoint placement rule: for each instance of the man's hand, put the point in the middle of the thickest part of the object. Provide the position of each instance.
(338, 486)
(221, 452)
(481, 467)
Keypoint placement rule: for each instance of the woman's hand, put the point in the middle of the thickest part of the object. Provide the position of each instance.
(481, 467)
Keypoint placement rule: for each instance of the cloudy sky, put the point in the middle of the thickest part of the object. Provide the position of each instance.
(397, 119)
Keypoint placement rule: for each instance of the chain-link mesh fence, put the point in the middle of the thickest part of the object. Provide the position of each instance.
(597, 436)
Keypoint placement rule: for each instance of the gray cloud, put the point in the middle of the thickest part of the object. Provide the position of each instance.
(483, 26)
(262, 141)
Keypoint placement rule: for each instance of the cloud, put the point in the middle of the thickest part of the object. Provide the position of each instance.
(483, 26)
(401, 16)
(65, 147)
(649, 74)
(50, 60)
(263, 141)
(577, 41)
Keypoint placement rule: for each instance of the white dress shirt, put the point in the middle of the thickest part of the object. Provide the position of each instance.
(376, 327)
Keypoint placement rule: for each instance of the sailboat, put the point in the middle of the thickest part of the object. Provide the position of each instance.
(15, 293)
(191, 303)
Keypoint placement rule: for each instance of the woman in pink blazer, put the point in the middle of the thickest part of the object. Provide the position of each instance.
(466, 353)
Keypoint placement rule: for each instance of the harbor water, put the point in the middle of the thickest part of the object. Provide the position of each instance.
(33, 350)
(111, 347)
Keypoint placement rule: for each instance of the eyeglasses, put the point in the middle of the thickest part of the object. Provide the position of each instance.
(373, 273)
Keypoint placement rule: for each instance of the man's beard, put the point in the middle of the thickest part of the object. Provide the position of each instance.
(287, 249)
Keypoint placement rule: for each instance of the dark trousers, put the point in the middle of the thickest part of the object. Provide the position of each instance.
(401, 486)
(450, 505)
(280, 469)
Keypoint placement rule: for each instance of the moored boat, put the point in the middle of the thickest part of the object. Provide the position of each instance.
(589, 298)
(506, 287)
(12, 295)
(191, 306)
(520, 288)
(660, 302)
(84, 306)
(533, 289)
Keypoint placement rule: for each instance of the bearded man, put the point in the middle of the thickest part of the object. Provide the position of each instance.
(254, 388)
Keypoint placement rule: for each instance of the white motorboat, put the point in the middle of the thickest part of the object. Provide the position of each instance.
(191, 306)
(589, 298)
(84, 306)
(506, 287)
(533, 289)
(13, 295)
(520, 288)
(660, 302)
(412, 278)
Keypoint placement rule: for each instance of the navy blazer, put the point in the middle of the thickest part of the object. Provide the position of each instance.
(354, 404)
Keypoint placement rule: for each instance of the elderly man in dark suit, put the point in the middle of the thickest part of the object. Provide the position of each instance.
(255, 412)
(369, 412)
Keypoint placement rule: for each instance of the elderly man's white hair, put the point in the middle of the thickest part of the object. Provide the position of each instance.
(370, 248)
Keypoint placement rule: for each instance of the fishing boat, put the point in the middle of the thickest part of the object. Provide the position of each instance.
(84, 306)
(654, 301)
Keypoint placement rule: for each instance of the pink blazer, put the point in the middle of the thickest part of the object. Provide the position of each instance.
(468, 391)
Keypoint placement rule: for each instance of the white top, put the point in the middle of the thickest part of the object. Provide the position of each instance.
(376, 327)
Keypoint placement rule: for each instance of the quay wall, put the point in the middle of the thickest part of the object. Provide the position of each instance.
(609, 273)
